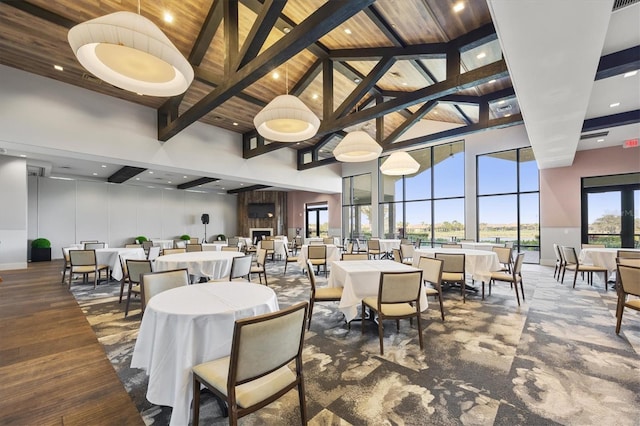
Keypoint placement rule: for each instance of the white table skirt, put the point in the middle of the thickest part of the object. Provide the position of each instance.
(210, 264)
(279, 247)
(111, 258)
(479, 246)
(187, 326)
(333, 253)
(477, 263)
(360, 279)
(164, 244)
(603, 257)
(387, 245)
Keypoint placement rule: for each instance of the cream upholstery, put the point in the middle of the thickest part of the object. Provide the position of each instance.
(173, 251)
(406, 252)
(432, 274)
(191, 247)
(290, 259)
(514, 277)
(84, 262)
(355, 256)
(240, 268)
(398, 297)
(269, 246)
(154, 252)
(157, 282)
(453, 270)
(630, 285)
(325, 294)
(93, 246)
(328, 240)
(572, 264)
(373, 248)
(134, 270)
(451, 246)
(67, 265)
(259, 267)
(249, 379)
(317, 255)
(504, 257)
(230, 248)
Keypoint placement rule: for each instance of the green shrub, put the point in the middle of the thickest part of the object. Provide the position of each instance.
(141, 239)
(41, 243)
(185, 237)
(221, 237)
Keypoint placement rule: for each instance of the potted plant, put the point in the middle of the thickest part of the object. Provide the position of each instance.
(141, 239)
(221, 237)
(185, 237)
(40, 250)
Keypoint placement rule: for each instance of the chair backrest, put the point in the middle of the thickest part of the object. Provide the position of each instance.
(261, 257)
(153, 283)
(298, 241)
(137, 267)
(268, 238)
(93, 246)
(517, 265)
(406, 250)
(556, 250)
(328, 240)
(452, 262)
(630, 279)
(355, 256)
(504, 254)
(317, 252)
(268, 244)
(82, 257)
(65, 253)
(628, 254)
(88, 241)
(349, 247)
(400, 287)
(312, 278)
(230, 248)
(146, 245)
(373, 244)
(405, 241)
(431, 270)
(593, 246)
(194, 240)
(179, 244)
(240, 267)
(233, 241)
(173, 251)
(315, 243)
(397, 256)
(570, 255)
(280, 334)
(133, 246)
(154, 252)
(628, 261)
(451, 245)
(194, 247)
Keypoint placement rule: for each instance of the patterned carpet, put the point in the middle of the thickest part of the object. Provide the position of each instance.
(554, 360)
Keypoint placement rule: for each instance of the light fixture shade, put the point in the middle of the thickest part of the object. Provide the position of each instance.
(356, 147)
(399, 163)
(286, 119)
(130, 52)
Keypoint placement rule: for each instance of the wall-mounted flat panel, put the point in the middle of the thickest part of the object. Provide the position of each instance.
(92, 211)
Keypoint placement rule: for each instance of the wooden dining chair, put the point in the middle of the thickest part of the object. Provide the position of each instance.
(451, 246)
(398, 298)
(453, 270)
(191, 247)
(153, 283)
(84, 262)
(373, 248)
(291, 258)
(504, 257)
(629, 285)
(354, 256)
(432, 277)
(173, 251)
(256, 373)
(269, 246)
(240, 268)
(259, 267)
(322, 294)
(573, 264)
(514, 277)
(135, 269)
(94, 246)
(230, 248)
(317, 255)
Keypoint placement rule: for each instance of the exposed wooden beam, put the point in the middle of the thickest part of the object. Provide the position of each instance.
(260, 31)
(247, 189)
(406, 125)
(307, 78)
(317, 163)
(614, 120)
(231, 43)
(196, 182)
(206, 34)
(327, 88)
(319, 23)
(261, 147)
(444, 88)
(41, 13)
(208, 78)
(124, 174)
(415, 51)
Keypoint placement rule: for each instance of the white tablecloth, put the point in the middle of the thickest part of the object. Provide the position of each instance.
(217, 246)
(210, 264)
(333, 253)
(187, 326)
(603, 257)
(279, 247)
(360, 279)
(477, 263)
(479, 246)
(111, 258)
(387, 245)
(164, 244)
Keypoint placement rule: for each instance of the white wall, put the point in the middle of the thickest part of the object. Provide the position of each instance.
(68, 211)
(13, 213)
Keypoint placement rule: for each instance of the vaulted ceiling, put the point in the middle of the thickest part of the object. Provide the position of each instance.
(378, 65)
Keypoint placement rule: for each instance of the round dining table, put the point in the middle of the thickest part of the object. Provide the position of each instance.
(189, 325)
(477, 263)
(210, 264)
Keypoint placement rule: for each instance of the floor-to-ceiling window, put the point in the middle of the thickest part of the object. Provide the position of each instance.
(509, 200)
(611, 210)
(356, 206)
(317, 220)
(429, 204)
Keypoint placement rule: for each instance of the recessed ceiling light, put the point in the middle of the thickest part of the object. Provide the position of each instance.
(481, 55)
(286, 30)
(458, 7)
(347, 31)
(104, 166)
(137, 178)
(168, 181)
(168, 17)
(23, 156)
(501, 102)
(150, 172)
(297, 143)
(491, 81)
(600, 140)
(314, 96)
(221, 188)
(275, 75)
(95, 174)
(357, 80)
(507, 115)
(139, 94)
(630, 73)
(613, 105)
(235, 124)
(58, 67)
(242, 184)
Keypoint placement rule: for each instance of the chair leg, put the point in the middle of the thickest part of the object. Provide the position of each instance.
(606, 283)
(575, 277)
(482, 290)
(301, 399)
(419, 331)
(464, 291)
(521, 288)
(196, 401)
(310, 313)
(619, 311)
(380, 334)
(121, 288)
(517, 295)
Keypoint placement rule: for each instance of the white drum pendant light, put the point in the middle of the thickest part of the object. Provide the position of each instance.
(356, 147)
(286, 119)
(399, 163)
(130, 52)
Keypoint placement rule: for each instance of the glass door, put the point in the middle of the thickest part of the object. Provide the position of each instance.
(317, 219)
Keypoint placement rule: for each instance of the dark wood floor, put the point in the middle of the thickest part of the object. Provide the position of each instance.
(53, 371)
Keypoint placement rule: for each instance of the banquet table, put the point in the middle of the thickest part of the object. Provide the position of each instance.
(210, 264)
(333, 253)
(217, 246)
(477, 263)
(479, 246)
(164, 244)
(111, 258)
(603, 257)
(187, 326)
(360, 279)
(387, 245)
(279, 247)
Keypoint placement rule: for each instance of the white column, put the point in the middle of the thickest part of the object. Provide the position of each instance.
(13, 213)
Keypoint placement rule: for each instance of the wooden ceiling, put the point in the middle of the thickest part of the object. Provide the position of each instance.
(379, 65)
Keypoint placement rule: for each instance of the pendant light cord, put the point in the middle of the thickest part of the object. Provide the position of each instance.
(138, 7)
(286, 73)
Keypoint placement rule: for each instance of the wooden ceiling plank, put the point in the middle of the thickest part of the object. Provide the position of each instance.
(406, 125)
(364, 86)
(323, 20)
(207, 31)
(41, 13)
(307, 78)
(208, 78)
(447, 87)
(263, 25)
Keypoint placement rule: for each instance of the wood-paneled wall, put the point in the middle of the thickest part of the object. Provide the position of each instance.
(278, 222)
